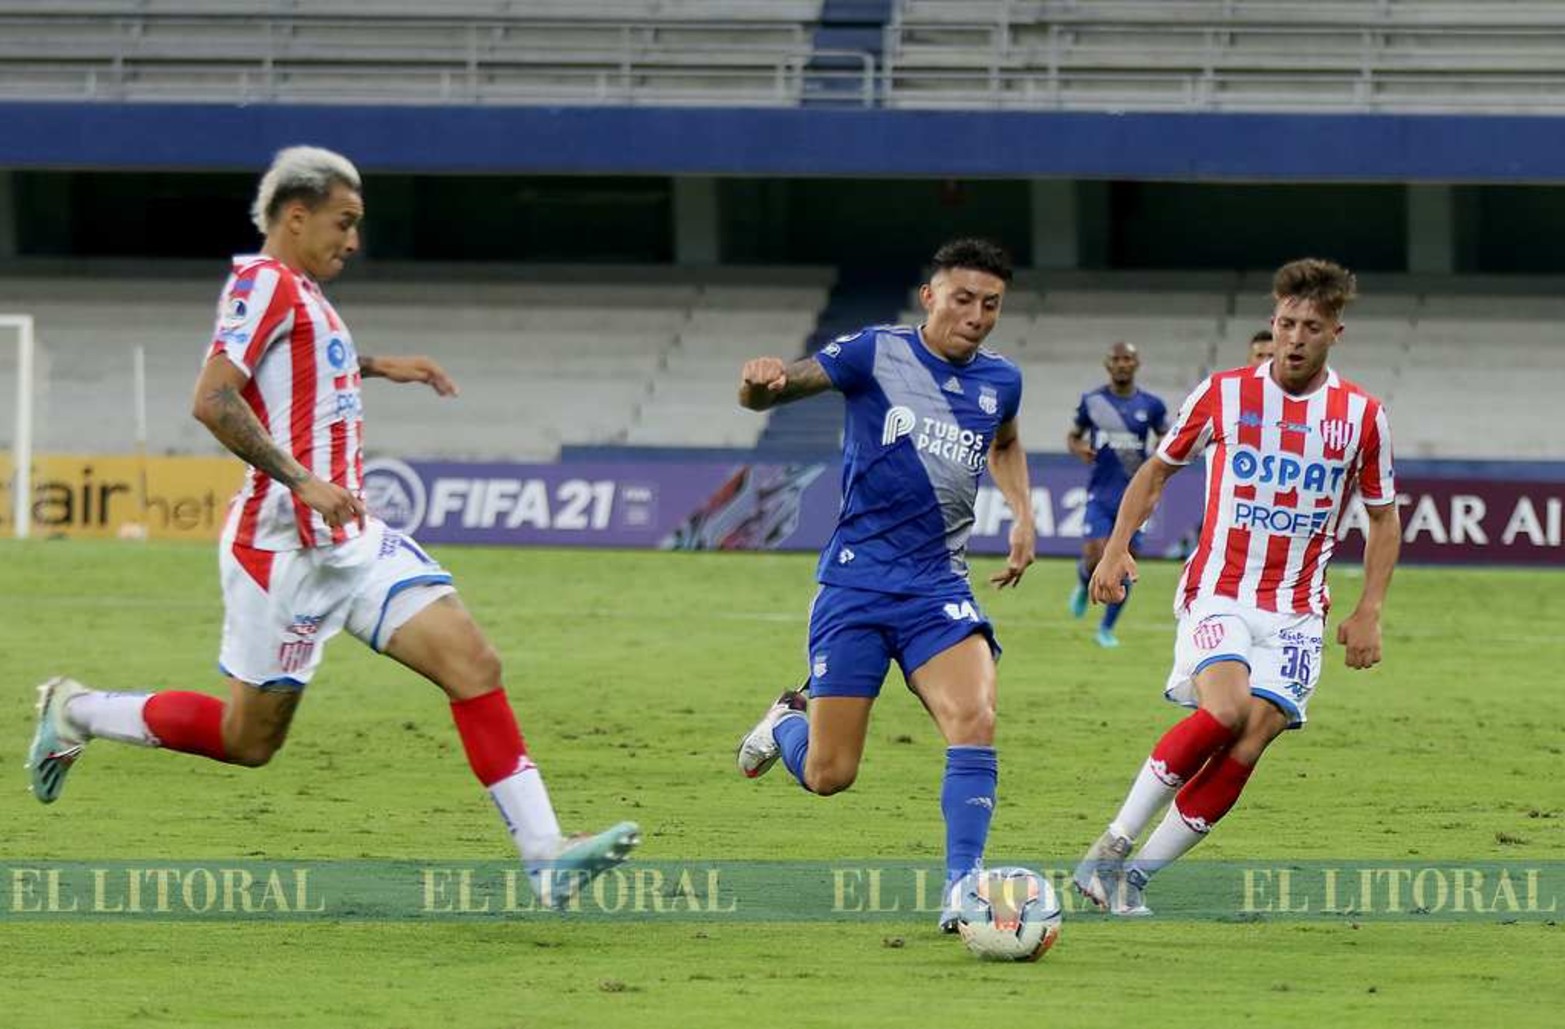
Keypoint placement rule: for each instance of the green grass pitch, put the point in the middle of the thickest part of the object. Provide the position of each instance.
(635, 673)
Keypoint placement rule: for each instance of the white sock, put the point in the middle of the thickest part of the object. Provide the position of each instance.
(1171, 840)
(111, 716)
(1146, 798)
(524, 804)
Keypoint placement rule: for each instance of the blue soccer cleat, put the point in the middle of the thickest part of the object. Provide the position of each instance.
(56, 746)
(580, 860)
(1106, 639)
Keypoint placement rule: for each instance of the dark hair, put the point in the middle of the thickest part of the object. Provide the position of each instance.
(1264, 336)
(977, 254)
(1328, 285)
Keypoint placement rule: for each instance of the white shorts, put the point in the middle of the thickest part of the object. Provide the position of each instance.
(280, 607)
(1282, 652)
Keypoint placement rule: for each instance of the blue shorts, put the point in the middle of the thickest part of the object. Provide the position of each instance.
(855, 635)
(1097, 521)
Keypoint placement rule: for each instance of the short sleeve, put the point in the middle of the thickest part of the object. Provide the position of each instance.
(255, 311)
(1159, 416)
(1083, 420)
(1193, 428)
(1012, 405)
(849, 361)
(1377, 480)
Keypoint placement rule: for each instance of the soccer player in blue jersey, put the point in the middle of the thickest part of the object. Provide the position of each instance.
(1115, 431)
(927, 408)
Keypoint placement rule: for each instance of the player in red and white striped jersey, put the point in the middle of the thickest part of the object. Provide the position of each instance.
(1288, 443)
(301, 558)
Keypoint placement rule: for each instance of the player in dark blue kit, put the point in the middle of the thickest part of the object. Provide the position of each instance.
(927, 409)
(1115, 431)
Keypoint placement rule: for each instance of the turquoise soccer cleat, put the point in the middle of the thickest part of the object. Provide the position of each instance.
(1079, 601)
(580, 860)
(56, 746)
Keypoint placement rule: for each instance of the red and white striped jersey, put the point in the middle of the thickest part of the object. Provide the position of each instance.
(275, 325)
(1279, 470)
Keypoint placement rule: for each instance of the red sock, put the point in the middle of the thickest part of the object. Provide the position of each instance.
(188, 722)
(1185, 748)
(1212, 792)
(490, 735)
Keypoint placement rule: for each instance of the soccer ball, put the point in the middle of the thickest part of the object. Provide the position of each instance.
(1008, 914)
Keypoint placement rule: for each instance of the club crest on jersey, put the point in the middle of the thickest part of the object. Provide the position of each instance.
(988, 400)
(1208, 634)
(1336, 433)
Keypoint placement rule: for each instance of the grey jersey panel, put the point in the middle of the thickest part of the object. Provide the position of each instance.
(1110, 430)
(907, 383)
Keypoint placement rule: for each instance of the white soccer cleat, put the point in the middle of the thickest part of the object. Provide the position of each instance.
(758, 751)
(56, 744)
(951, 912)
(1099, 874)
(1128, 900)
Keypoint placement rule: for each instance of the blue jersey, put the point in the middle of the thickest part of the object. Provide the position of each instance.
(916, 440)
(1120, 429)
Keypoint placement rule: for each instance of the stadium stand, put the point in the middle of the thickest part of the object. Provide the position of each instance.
(664, 52)
(627, 355)
(1335, 55)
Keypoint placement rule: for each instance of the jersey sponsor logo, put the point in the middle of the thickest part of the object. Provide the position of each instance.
(349, 404)
(899, 422)
(1284, 471)
(951, 442)
(988, 400)
(1337, 433)
(1120, 441)
(1279, 521)
(394, 493)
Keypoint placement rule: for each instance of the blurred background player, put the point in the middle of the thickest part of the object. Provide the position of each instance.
(1260, 347)
(927, 408)
(1114, 432)
(1285, 444)
(300, 557)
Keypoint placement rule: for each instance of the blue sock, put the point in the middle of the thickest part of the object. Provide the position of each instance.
(967, 800)
(792, 733)
(1111, 613)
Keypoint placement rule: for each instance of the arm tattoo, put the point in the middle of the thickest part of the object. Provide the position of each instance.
(238, 429)
(805, 379)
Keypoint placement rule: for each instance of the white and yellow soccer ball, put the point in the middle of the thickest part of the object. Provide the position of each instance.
(1008, 914)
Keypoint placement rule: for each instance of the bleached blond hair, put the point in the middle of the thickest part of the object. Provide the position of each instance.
(300, 173)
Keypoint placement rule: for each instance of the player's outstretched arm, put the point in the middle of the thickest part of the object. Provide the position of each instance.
(1008, 467)
(1359, 633)
(409, 369)
(1141, 499)
(766, 382)
(229, 419)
